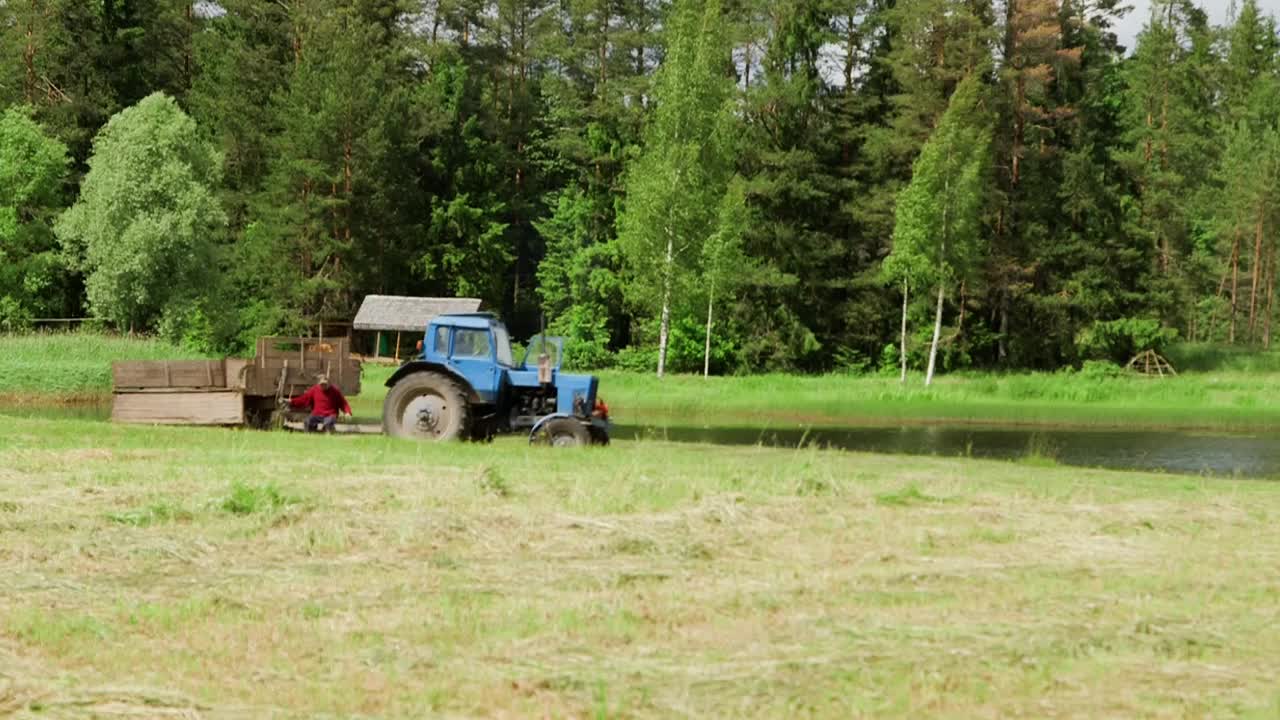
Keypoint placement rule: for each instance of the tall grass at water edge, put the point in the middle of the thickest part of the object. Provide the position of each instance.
(73, 363)
(1232, 399)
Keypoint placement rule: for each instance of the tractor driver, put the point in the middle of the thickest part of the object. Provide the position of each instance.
(325, 401)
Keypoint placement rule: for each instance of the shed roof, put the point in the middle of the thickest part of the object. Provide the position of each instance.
(396, 312)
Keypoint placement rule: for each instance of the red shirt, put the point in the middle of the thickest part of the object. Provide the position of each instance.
(323, 402)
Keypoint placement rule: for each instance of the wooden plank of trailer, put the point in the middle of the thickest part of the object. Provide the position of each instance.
(235, 370)
(169, 373)
(224, 407)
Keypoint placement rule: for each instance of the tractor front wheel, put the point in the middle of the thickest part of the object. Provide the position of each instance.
(427, 406)
(563, 432)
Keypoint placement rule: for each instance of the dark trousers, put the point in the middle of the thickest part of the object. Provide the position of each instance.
(321, 423)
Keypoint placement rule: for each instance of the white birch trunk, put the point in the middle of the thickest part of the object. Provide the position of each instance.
(902, 353)
(942, 282)
(665, 325)
(706, 353)
(937, 333)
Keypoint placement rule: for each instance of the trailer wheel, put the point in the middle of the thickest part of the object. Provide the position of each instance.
(427, 406)
(563, 432)
(599, 436)
(262, 414)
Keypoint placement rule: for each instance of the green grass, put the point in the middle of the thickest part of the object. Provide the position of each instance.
(150, 571)
(72, 363)
(1233, 395)
(1218, 400)
(1203, 357)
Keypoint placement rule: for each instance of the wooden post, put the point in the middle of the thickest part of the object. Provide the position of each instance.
(397, 346)
(377, 346)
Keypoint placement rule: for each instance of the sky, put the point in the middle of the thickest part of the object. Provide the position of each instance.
(1129, 27)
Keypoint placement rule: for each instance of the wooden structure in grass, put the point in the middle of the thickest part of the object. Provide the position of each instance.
(230, 391)
(1150, 363)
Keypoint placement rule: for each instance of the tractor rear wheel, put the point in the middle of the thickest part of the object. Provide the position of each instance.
(563, 432)
(427, 406)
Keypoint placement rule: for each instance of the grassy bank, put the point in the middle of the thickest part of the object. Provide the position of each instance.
(242, 574)
(72, 364)
(1234, 398)
(1215, 400)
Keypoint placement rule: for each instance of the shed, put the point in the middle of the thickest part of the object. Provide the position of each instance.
(400, 314)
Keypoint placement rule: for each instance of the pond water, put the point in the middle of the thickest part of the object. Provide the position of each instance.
(1218, 454)
(1195, 453)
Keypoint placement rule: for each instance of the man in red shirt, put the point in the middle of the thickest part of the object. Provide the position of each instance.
(325, 402)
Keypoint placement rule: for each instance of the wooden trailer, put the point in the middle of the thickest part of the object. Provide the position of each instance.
(230, 391)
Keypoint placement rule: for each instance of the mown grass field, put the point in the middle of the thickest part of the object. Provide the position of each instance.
(218, 573)
(181, 572)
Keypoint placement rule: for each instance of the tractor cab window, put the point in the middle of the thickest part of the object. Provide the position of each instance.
(471, 343)
(441, 344)
(540, 345)
(503, 341)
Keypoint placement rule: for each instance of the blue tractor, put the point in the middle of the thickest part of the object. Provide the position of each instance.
(464, 384)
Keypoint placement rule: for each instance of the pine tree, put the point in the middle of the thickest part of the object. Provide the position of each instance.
(1033, 108)
(794, 191)
(1170, 121)
(1089, 268)
(1240, 209)
(323, 208)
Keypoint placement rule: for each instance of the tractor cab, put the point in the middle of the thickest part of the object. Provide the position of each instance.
(474, 347)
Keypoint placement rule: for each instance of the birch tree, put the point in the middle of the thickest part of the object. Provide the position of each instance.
(938, 215)
(908, 268)
(723, 261)
(674, 187)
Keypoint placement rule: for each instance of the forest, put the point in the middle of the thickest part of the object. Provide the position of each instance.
(722, 186)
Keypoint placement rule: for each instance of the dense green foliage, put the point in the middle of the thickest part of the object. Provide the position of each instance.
(530, 154)
(32, 169)
(143, 229)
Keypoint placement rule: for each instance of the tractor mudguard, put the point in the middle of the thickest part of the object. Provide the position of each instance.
(414, 366)
(533, 432)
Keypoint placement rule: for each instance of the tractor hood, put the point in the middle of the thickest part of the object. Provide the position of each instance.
(576, 394)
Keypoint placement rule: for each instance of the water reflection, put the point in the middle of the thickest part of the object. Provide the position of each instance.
(1223, 454)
